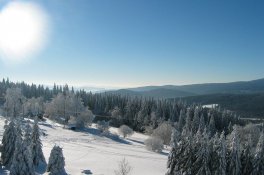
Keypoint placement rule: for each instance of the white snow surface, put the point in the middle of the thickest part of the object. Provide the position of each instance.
(87, 150)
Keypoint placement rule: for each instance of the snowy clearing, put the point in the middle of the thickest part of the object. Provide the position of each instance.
(86, 151)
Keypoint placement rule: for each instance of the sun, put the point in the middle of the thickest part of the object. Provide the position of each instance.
(23, 31)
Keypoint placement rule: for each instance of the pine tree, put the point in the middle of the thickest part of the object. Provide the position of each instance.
(234, 162)
(8, 146)
(36, 145)
(258, 162)
(56, 162)
(22, 160)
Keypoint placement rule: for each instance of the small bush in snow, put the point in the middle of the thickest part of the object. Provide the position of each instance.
(123, 168)
(154, 144)
(125, 131)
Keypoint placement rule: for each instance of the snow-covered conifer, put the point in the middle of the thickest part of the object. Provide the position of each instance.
(172, 163)
(36, 145)
(202, 123)
(203, 156)
(196, 120)
(258, 162)
(234, 163)
(8, 146)
(27, 135)
(22, 163)
(247, 157)
(211, 126)
(219, 161)
(56, 162)
(181, 122)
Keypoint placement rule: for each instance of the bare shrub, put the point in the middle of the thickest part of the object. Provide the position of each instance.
(123, 168)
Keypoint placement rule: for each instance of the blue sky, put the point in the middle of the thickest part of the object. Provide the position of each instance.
(128, 43)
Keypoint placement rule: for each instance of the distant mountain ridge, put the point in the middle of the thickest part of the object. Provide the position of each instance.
(174, 91)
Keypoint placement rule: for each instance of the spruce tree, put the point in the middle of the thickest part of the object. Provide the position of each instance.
(196, 120)
(22, 160)
(234, 162)
(211, 126)
(8, 146)
(187, 157)
(173, 158)
(181, 122)
(36, 145)
(258, 162)
(27, 135)
(202, 155)
(56, 162)
(202, 123)
(220, 160)
(247, 157)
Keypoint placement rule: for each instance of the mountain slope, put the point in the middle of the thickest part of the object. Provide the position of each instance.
(241, 87)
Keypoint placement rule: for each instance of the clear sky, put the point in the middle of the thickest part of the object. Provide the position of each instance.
(127, 43)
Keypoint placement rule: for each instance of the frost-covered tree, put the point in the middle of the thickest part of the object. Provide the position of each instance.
(163, 131)
(188, 123)
(36, 145)
(196, 120)
(27, 135)
(188, 155)
(154, 144)
(85, 118)
(234, 163)
(125, 131)
(219, 161)
(8, 146)
(56, 162)
(258, 162)
(22, 163)
(13, 102)
(173, 163)
(202, 161)
(247, 157)
(202, 123)
(211, 127)
(34, 106)
(181, 122)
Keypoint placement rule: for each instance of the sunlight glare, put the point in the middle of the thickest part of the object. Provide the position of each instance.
(23, 31)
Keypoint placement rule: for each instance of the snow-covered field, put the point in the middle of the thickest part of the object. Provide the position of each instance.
(87, 150)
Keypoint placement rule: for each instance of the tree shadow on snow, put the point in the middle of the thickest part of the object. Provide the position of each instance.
(140, 142)
(163, 153)
(96, 132)
(41, 169)
(116, 138)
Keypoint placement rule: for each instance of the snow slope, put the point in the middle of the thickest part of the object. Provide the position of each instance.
(87, 150)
